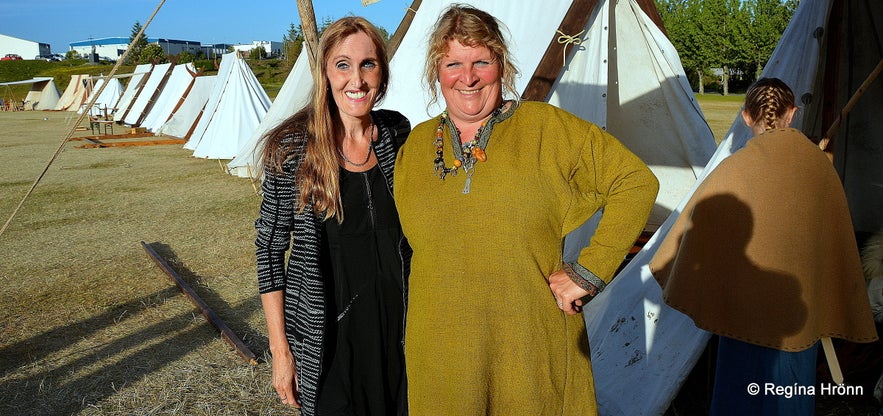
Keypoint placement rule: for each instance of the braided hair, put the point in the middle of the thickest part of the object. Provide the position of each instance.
(768, 102)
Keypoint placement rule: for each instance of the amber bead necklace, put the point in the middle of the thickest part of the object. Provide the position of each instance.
(465, 154)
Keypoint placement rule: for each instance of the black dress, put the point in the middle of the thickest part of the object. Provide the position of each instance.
(364, 370)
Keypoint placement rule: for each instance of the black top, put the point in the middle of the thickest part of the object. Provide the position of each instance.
(364, 369)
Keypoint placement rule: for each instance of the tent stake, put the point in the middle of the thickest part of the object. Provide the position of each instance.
(833, 364)
(226, 332)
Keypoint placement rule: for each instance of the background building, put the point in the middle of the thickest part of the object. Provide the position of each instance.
(216, 50)
(273, 49)
(113, 48)
(27, 49)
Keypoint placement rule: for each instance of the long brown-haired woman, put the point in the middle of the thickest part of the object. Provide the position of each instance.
(335, 306)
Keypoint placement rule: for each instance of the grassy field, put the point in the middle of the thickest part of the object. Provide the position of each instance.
(720, 111)
(89, 325)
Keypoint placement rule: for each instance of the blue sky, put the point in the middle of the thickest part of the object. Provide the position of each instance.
(60, 22)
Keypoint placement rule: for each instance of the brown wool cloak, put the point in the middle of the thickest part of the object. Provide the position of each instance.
(764, 251)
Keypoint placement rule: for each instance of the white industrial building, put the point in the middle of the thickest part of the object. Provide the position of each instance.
(113, 48)
(272, 48)
(27, 49)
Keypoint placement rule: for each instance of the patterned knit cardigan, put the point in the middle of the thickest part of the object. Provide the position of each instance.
(280, 225)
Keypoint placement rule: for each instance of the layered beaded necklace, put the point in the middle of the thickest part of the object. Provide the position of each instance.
(465, 154)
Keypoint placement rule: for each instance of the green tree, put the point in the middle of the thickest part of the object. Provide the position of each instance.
(72, 54)
(257, 53)
(714, 27)
(383, 33)
(292, 43)
(735, 36)
(769, 19)
(681, 20)
(137, 46)
(185, 56)
(153, 54)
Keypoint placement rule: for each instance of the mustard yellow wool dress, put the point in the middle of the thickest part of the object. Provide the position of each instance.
(484, 335)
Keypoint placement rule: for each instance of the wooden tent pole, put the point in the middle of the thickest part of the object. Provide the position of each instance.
(858, 93)
(226, 332)
(308, 25)
(649, 8)
(574, 21)
(73, 129)
(392, 45)
(832, 47)
(550, 65)
(831, 357)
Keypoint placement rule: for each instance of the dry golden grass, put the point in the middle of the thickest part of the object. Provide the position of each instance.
(88, 323)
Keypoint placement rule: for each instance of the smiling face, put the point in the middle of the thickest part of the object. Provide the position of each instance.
(470, 82)
(354, 75)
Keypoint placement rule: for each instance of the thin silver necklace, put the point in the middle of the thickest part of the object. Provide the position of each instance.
(367, 157)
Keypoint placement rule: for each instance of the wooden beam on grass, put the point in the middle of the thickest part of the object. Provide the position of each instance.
(97, 144)
(226, 332)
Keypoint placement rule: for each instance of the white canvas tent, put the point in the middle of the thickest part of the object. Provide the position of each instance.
(43, 94)
(133, 88)
(171, 95)
(146, 97)
(75, 94)
(107, 101)
(623, 75)
(184, 120)
(641, 346)
(234, 110)
(292, 97)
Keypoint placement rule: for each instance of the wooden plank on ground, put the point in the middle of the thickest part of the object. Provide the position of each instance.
(99, 144)
(228, 334)
(113, 136)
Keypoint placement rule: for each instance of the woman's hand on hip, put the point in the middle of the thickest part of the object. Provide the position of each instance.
(567, 293)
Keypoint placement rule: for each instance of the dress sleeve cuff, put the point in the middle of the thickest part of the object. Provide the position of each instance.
(584, 278)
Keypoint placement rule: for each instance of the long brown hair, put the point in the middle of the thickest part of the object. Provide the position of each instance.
(768, 101)
(471, 27)
(319, 124)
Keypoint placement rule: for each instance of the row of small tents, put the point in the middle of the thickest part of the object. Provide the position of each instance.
(608, 62)
(210, 112)
(44, 94)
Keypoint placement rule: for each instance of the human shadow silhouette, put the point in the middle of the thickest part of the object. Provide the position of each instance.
(713, 280)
